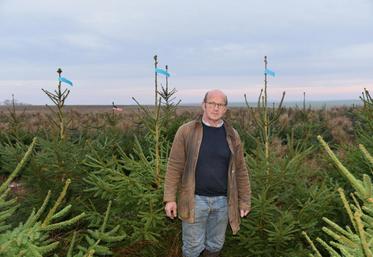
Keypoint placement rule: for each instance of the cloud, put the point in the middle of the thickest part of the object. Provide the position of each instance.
(116, 40)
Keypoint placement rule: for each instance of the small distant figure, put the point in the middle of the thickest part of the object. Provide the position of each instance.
(116, 108)
(207, 184)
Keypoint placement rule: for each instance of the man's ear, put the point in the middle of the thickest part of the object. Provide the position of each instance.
(225, 110)
(203, 106)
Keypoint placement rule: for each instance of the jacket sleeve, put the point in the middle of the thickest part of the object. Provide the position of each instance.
(242, 177)
(175, 167)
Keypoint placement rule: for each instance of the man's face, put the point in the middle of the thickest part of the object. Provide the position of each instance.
(215, 107)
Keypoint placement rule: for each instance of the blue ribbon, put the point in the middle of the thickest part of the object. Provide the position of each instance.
(65, 80)
(162, 71)
(269, 72)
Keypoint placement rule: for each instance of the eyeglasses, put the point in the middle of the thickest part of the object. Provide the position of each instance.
(213, 105)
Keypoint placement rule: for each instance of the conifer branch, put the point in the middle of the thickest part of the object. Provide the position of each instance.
(62, 212)
(103, 226)
(345, 252)
(34, 217)
(356, 202)
(344, 240)
(90, 253)
(344, 171)
(4, 194)
(19, 167)
(332, 252)
(63, 223)
(366, 153)
(347, 207)
(56, 204)
(363, 238)
(311, 244)
(48, 248)
(71, 247)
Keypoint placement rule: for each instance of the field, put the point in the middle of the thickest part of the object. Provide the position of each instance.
(88, 180)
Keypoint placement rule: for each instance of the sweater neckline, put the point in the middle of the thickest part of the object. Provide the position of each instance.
(221, 123)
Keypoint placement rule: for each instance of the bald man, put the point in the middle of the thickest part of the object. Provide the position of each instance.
(207, 183)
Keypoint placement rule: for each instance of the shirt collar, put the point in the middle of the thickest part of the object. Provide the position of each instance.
(221, 123)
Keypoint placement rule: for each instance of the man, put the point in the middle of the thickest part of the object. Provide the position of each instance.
(207, 175)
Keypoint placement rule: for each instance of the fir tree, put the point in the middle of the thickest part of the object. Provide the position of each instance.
(32, 237)
(355, 241)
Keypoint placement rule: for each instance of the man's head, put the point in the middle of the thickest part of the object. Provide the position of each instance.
(214, 106)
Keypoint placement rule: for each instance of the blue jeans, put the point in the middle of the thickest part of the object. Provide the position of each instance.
(208, 230)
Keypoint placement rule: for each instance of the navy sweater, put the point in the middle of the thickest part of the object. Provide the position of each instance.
(213, 161)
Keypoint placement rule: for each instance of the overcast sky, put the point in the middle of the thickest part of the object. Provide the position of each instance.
(321, 47)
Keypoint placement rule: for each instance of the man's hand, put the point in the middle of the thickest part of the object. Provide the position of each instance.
(243, 213)
(171, 210)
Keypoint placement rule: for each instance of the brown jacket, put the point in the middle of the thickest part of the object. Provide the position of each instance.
(180, 175)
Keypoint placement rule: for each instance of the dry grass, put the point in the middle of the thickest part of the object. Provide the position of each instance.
(86, 117)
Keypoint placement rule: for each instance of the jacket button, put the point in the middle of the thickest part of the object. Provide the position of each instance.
(232, 171)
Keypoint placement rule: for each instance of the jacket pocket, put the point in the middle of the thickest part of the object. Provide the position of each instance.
(183, 205)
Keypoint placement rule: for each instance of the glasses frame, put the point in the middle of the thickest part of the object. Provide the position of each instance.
(214, 105)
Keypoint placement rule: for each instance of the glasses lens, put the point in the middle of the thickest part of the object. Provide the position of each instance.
(214, 105)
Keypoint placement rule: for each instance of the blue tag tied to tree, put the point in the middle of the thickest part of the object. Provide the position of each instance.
(269, 72)
(162, 71)
(65, 80)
